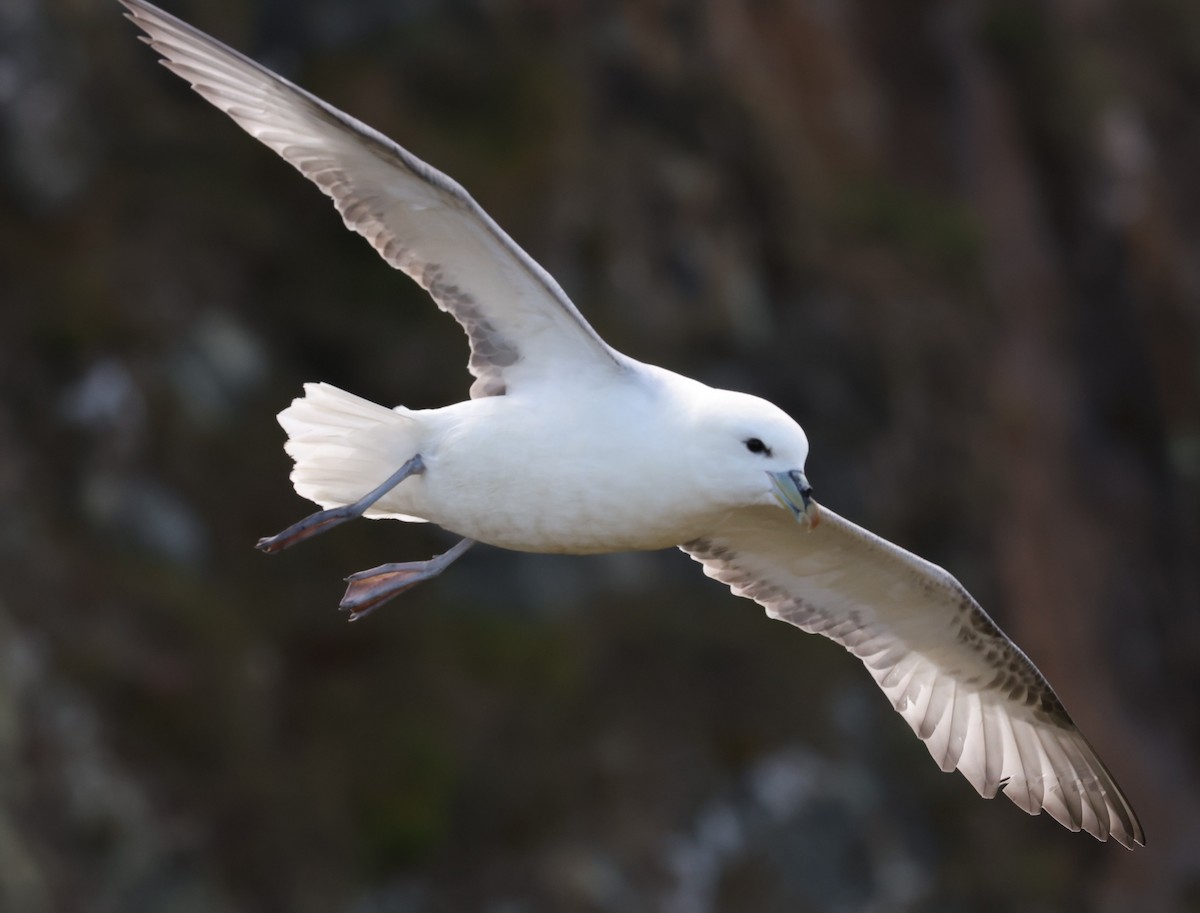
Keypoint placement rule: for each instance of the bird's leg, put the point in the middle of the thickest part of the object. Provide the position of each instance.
(325, 519)
(368, 590)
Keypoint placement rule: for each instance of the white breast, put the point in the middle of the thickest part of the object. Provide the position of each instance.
(557, 474)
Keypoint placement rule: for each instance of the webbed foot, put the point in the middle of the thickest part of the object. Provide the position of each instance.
(334, 516)
(368, 590)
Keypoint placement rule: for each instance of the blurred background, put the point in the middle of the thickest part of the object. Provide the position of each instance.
(958, 240)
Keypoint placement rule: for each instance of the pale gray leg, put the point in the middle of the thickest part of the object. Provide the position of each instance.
(369, 590)
(325, 519)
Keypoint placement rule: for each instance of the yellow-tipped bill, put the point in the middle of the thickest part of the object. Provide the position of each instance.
(791, 490)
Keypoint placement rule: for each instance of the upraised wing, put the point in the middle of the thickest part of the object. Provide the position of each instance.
(520, 322)
(967, 691)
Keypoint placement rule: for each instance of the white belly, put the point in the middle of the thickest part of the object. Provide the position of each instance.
(550, 480)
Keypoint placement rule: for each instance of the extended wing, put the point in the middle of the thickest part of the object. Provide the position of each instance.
(520, 322)
(967, 691)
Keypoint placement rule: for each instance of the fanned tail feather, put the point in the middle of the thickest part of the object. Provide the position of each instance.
(345, 445)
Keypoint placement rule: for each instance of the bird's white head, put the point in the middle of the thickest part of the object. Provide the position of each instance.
(754, 453)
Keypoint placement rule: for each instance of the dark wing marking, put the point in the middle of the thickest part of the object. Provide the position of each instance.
(967, 691)
(519, 321)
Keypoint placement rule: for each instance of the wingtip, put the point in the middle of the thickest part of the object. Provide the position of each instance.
(134, 7)
(136, 11)
(1135, 839)
(1129, 840)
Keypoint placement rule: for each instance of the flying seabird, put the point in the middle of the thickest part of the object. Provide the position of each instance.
(568, 446)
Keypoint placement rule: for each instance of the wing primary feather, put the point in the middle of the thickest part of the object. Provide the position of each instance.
(974, 760)
(938, 740)
(1064, 779)
(1030, 785)
(994, 751)
(1091, 783)
(918, 702)
(940, 694)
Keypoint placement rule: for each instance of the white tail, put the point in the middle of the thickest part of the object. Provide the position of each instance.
(345, 445)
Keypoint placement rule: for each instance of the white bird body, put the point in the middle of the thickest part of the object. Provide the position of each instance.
(569, 446)
(546, 471)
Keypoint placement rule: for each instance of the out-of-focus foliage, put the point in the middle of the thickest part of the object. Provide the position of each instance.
(959, 241)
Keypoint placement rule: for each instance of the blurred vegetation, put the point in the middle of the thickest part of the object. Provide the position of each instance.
(959, 242)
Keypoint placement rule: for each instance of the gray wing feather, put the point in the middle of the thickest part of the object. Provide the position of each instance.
(519, 321)
(966, 690)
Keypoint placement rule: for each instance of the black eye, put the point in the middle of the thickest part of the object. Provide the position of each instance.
(755, 445)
